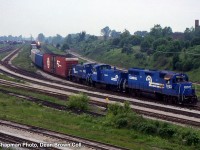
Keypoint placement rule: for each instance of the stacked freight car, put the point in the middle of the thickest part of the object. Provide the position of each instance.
(56, 64)
(165, 85)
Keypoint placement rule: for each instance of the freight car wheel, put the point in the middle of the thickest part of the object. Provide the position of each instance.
(159, 96)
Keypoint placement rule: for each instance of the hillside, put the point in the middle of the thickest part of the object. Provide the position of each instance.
(159, 49)
(136, 58)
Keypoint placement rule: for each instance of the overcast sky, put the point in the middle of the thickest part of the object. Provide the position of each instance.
(25, 17)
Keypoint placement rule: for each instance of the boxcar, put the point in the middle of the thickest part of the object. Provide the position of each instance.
(33, 52)
(39, 60)
(58, 64)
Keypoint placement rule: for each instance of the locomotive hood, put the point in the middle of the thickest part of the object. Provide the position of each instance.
(186, 89)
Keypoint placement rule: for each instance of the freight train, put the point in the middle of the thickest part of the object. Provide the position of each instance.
(168, 86)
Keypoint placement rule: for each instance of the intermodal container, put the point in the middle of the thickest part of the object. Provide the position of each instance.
(33, 52)
(58, 64)
(63, 65)
(39, 60)
(48, 63)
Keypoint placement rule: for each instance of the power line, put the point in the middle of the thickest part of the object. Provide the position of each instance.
(179, 53)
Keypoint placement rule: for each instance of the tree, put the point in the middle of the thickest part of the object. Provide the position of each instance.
(105, 32)
(127, 48)
(141, 33)
(41, 37)
(156, 31)
(175, 59)
(115, 34)
(188, 34)
(195, 41)
(167, 31)
(135, 40)
(65, 46)
(125, 38)
(82, 36)
(92, 38)
(158, 42)
(58, 45)
(68, 39)
(145, 45)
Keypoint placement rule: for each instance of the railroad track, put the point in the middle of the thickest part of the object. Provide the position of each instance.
(11, 141)
(40, 136)
(169, 115)
(50, 104)
(82, 88)
(6, 49)
(135, 104)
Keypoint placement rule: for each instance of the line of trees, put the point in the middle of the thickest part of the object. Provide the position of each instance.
(161, 43)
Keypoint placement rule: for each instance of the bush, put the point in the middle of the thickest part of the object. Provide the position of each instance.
(167, 132)
(148, 128)
(79, 101)
(140, 56)
(118, 115)
(116, 109)
(121, 122)
(191, 138)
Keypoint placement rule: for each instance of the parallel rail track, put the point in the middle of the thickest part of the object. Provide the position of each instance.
(99, 103)
(59, 136)
(120, 99)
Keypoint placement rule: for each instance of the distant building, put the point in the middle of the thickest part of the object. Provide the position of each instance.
(178, 35)
(196, 24)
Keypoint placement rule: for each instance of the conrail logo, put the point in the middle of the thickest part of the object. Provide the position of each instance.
(48, 62)
(58, 63)
(154, 84)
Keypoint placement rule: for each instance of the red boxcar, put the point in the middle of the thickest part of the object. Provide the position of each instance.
(58, 64)
(48, 62)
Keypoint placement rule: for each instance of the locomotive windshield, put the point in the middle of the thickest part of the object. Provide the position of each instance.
(180, 79)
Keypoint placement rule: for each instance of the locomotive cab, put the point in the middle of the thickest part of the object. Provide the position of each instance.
(82, 71)
(179, 85)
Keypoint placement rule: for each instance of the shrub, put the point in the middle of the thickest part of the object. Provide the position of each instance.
(148, 128)
(121, 122)
(119, 116)
(79, 101)
(140, 56)
(115, 109)
(167, 132)
(191, 138)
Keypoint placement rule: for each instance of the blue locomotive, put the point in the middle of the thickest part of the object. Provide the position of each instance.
(165, 85)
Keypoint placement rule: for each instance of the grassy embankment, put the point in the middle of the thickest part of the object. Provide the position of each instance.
(2, 55)
(61, 52)
(136, 59)
(21, 111)
(116, 58)
(18, 110)
(2, 45)
(23, 59)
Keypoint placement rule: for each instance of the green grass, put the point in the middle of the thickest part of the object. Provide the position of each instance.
(55, 50)
(197, 87)
(101, 52)
(23, 60)
(5, 77)
(4, 54)
(194, 75)
(35, 95)
(2, 45)
(21, 111)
